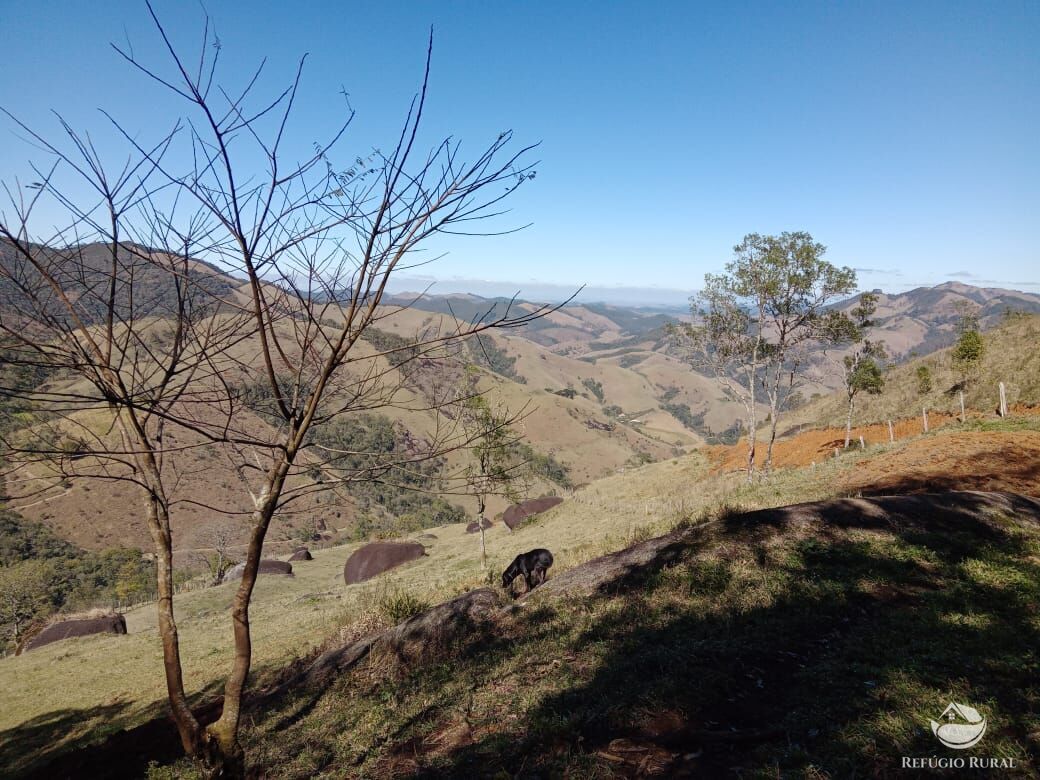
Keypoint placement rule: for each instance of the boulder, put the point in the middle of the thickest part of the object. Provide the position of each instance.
(302, 554)
(474, 527)
(67, 629)
(517, 513)
(267, 566)
(375, 558)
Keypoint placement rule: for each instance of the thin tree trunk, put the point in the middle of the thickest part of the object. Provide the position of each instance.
(848, 422)
(752, 415)
(774, 412)
(224, 752)
(751, 439)
(481, 506)
(158, 517)
(187, 725)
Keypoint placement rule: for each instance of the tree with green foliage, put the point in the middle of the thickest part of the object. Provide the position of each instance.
(924, 380)
(860, 369)
(493, 469)
(595, 387)
(25, 595)
(751, 323)
(970, 347)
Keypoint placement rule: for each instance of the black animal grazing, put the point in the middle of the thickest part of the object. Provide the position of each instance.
(532, 565)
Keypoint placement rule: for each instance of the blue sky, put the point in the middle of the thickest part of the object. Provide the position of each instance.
(901, 135)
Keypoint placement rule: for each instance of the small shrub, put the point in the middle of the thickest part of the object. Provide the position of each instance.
(640, 534)
(398, 606)
(924, 380)
(595, 387)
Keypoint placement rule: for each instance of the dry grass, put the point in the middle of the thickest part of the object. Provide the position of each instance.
(292, 616)
(1010, 357)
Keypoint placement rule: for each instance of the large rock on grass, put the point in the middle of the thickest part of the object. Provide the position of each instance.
(267, 566)
(517, 513)
(375, 558)
(302, 554)
(67, 629)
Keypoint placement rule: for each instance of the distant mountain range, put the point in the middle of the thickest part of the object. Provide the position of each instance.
(603, 389)
(925, 319)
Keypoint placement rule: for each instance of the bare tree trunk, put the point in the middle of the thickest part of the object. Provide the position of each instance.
(187, 724)
(751, 411)
(848, 422)
(774, 412)
(751, 439)
(224, 752)
(481, 506)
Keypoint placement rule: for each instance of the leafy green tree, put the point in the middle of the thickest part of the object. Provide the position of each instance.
(752, 322)
(924, 380)
(25, 595)
(595, 387)
(493, 468)
(970, 347)
(860, 369)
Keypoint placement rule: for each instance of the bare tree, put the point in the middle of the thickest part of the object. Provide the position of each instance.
(114, 315)
(316, 246)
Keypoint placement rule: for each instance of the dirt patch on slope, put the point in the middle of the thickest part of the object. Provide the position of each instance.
(964, 460)
(958, 461)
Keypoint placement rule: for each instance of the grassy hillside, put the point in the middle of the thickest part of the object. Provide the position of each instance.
(812, 643)
(576, 432)
(109, 683)
(1010, 357)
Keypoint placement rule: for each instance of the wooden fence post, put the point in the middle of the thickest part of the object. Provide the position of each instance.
(835, 452)
(1003, 400)
(891, 435)
(924, 416)
(963, 418)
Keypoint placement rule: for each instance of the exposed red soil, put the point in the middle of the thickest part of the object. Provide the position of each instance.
(967, 460)
(974, 460)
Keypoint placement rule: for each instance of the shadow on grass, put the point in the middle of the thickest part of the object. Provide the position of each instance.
(49, 748)
(865, 640)
(829, 651)
(1003, 469)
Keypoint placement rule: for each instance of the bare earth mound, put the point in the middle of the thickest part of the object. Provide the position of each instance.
(377, 557)
(67, 629)
(970, 460)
